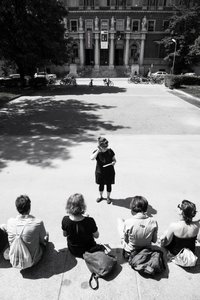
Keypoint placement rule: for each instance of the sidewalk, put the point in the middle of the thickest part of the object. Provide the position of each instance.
(165, 168)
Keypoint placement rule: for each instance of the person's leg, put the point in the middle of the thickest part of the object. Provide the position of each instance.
(101, 188)
(108, 193)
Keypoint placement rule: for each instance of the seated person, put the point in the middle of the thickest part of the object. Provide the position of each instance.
(34, 234)
(139, 231)
(79, 229)
(183, 233)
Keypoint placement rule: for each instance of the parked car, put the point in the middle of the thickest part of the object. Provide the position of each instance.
(49, 77)
(190, 74)
(160, 74)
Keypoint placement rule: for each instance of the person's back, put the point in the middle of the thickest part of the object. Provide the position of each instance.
(140, 230)
(33, 234)
(183, 233)
(32, 230)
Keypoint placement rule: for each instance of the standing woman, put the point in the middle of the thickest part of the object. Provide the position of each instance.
(104, 173)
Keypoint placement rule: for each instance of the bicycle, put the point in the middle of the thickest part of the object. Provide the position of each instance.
(108, 82)
(68, 81)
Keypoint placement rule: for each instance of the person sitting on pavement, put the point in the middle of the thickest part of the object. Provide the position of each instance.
(140, 231)
(183, 233)
(80, 230)
(34, 234)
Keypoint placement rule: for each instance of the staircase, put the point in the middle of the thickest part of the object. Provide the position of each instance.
(103, 72)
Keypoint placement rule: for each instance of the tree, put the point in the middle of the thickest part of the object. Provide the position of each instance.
(184, 28)
(32, 33)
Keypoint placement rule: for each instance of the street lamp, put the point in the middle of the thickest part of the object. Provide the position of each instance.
(173, 40)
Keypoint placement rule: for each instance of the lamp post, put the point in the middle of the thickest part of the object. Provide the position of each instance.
(173, 40)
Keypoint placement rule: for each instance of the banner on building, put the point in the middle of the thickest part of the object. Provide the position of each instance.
(88, 39)
(104, 39)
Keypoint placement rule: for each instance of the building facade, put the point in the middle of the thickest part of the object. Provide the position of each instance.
(119, 34)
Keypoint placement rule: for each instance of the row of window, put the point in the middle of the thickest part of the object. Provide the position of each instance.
(120, 25)
(124, 3)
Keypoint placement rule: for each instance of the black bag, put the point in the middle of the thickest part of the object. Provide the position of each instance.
(147, 261)
(3, 240)
(100, 265)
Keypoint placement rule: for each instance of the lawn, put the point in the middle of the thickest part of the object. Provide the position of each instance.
(193, 90)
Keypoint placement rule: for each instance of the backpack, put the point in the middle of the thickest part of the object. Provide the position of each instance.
(99, 264)
(147, 261)
(19, 254)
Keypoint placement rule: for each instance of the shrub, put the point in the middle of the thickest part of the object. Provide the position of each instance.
(38, 81)
(175, 81)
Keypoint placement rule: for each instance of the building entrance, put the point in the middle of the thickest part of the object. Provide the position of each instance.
(104, 57)
(119, 57)
(89, 57)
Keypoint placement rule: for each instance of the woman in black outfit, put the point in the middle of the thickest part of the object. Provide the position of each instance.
(79, 229)
(104, 173)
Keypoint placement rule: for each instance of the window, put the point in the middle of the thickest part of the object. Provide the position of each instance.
(152, 2)
(74, 25)
(89, 2)
(136, 3)
(89, 24)
(135, 25)
(120, 25)
(105, 3)
(151, 25)
(72, 3)
(104, 24)
(165, 24)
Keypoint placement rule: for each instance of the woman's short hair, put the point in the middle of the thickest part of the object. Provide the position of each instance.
(188, 210)
(76, 205)
(23, 204)
(139, 204)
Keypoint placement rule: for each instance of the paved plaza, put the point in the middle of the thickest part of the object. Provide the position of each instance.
(45, 143)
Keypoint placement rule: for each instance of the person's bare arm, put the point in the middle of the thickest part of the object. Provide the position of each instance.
(94, 155)
(96, 234)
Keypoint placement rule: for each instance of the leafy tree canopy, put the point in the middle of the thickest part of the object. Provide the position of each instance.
(184, 28)
(32, 33)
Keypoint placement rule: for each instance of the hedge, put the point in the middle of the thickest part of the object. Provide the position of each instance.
(175, 81)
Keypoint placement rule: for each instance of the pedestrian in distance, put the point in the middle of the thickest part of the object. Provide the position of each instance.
(183, 233)
(79, 229)
(91, 83)
(140, 231)
(104, 172)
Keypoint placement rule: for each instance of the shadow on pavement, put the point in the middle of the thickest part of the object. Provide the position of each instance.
(126, 204)
(38, 130)
(53, 262)
(79, 90)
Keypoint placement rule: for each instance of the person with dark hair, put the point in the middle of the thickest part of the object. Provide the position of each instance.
(79, 229)
(105, 172)
(183, 233)
(33, 231)
(140, 231)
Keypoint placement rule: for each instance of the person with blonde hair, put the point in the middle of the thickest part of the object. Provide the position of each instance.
(183, 233)
(79, 229)
(104, 172)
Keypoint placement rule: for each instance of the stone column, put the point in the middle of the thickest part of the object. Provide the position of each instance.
(141, 59)
(126, 51)
(81, 49)
(111, 51)
(96, 51)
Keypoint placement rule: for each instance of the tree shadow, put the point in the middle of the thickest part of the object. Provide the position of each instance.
(77, 90)
(38, 130)
(126, 204)
(53, 262)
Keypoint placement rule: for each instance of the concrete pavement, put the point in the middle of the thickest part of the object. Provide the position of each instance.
(45, 148)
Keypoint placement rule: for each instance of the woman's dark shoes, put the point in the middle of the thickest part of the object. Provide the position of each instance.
(99, 199)
(109, 200)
